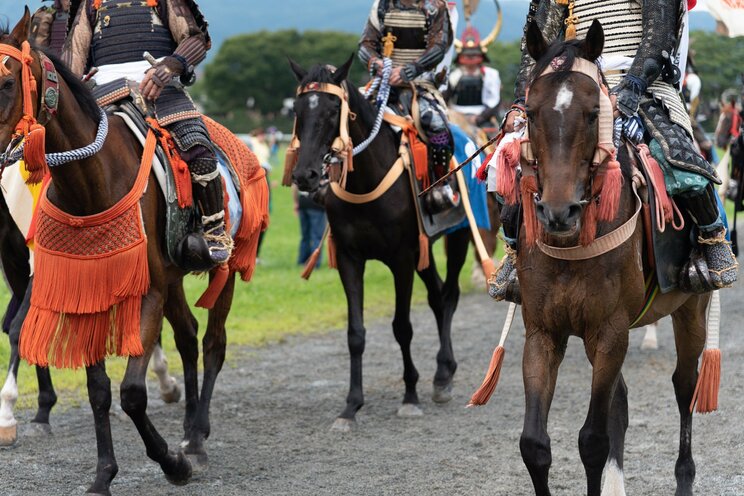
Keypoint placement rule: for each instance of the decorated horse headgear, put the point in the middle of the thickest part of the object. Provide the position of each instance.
(29, 128)
(605, 174)
(342, 149)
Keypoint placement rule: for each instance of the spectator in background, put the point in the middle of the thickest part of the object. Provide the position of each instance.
(264, 150)
(312, 224)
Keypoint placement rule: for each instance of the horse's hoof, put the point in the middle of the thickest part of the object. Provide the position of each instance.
(409, 410)
(8, 435)
(343, 425)
(171, 396)
(181, 471)
(442, 394)
(36, 429)
(199, 462)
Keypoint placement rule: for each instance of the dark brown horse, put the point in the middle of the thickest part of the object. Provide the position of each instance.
(564, 298)
(384, 229)
(92, 185)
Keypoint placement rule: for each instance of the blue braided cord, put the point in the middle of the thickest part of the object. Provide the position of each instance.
(383, 82)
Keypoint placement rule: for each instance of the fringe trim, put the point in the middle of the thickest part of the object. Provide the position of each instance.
(254, 198)
(528, 187)
(708, 383)
(423, 261)
(331, 244)
(488, 386)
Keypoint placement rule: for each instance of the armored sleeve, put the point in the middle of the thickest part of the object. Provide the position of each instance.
(438, 41)
(549, 17)
(369, 44)
(77, 45)
(191, 41)
(659, 37)
(41, 27)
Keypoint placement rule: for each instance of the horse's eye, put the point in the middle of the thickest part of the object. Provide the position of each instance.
(7, 84)
(593, 115)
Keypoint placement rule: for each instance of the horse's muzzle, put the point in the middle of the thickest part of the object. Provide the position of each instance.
(559, 219)
(306, 179)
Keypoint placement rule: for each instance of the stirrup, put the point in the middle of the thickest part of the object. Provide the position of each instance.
(504, 283)
(219, 241)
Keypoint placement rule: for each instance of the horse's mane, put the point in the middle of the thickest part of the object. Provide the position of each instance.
(568, 50)
(78, 88)
(322, 74)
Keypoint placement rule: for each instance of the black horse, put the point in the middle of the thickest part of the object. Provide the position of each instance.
(384, 229)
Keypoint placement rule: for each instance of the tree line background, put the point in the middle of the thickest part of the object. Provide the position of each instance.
(246, 84)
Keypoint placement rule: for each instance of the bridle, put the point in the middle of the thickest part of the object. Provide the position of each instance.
(342, 148)
(29, 139)
(605, 148)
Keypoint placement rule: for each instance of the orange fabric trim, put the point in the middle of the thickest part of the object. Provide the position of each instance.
(180, 168)
(87, 294)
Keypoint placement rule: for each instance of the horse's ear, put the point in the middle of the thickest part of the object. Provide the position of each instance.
(536, 44)
(594, 42)
(23, 28)
(299, 72)
(340, 75)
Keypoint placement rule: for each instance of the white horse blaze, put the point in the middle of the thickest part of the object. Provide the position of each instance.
(563, 98)
(614, 483)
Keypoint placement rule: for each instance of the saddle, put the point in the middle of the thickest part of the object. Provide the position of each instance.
(245, 196)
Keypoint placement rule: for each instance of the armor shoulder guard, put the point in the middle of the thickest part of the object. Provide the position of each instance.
(201, 21)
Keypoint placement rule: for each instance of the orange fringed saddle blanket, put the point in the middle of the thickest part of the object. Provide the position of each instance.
(92, 272)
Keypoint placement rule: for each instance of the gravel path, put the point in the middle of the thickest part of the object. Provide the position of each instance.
(272, 412)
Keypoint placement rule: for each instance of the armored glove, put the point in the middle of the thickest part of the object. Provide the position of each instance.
(629, 93)
(160, 75)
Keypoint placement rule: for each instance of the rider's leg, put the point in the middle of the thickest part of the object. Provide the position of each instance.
(441, 147)
(196, 150)
(703, 208)
(504, 284)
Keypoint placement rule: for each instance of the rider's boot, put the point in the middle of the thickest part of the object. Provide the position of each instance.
(442, 197)
(721, 267)
(504, 283)
(209, 196)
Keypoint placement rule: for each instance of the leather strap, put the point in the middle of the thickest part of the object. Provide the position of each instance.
(393, 174)
(601, 245)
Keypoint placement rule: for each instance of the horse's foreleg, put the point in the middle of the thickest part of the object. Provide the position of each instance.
(543, 354)
(99, 396)
(213, 344)
(176, 466)
(689, 337)
(403, 331)
(9, 392)
(457, 251)
(185, 330)
(169, 390)
(352, 277)
(614, 482)
(47, 400)
(606, 351)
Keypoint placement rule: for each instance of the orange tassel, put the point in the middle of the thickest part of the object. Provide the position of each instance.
(486, 389)
(423, 261)
(97, 4)
(290, 161)
(610, 195)
(528, 187)
(310, 264)
(708, 383)
(420, 155)
(588, 224)
(34, 154)
(152, 3)
(180, 168)
(216, 284)
(332, 263)
(506, 178)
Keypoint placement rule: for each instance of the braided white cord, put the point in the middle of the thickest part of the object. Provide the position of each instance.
(383, 82)
(54, 159)
(714, 322)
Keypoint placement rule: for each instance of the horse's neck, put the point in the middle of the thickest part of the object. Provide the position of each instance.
(80, 187)
(371, 165)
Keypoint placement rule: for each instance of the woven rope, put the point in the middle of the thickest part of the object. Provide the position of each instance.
(55, 159)
(383, 82)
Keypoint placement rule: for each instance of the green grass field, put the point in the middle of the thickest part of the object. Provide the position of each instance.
(275, 304)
